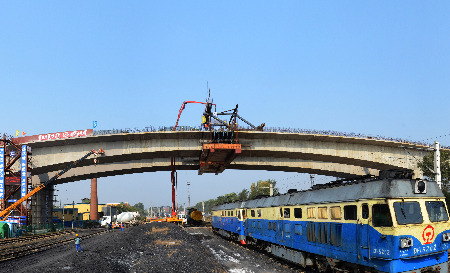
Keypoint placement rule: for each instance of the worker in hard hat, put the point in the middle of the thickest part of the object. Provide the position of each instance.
(77, 243)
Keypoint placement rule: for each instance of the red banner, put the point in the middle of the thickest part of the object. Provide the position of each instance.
(12, 180)
(54, 136)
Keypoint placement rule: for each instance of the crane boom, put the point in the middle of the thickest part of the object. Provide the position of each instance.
(5, 213)
(182, 108)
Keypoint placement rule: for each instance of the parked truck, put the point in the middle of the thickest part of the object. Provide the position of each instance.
(125, 218)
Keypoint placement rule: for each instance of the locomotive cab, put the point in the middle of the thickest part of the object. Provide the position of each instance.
(410, 232)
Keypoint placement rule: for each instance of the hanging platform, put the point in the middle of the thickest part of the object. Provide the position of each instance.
(215, 157)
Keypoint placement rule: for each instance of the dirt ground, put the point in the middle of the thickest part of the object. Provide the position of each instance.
(156, 247)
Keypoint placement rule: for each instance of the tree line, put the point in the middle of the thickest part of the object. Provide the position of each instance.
(259, 188)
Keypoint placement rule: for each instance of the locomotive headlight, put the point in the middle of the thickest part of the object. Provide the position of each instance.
(446, 237)
(420, 186)
(406, 242)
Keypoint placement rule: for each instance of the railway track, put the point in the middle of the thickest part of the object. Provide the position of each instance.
(13, 249)
(9, 241)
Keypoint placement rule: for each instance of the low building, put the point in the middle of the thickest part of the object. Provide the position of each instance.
(84, 210)
(70, 214)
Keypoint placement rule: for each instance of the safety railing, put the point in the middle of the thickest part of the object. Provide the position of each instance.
(266, 129)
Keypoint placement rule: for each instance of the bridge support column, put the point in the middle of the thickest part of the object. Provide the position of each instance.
(94, 200)
(42, 206)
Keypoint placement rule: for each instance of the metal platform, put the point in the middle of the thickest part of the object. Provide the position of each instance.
(215, 157)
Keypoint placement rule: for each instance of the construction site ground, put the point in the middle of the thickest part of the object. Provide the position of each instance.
(155, 247)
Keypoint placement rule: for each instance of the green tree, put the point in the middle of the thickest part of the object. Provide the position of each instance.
(262, 188)
(123, 207)
(221, 200)
(209, 204)
(243, 195)
(139, 207)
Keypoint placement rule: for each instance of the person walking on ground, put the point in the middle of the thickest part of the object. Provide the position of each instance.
(77, 243)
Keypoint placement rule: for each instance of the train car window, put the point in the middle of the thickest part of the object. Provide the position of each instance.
(335, 213)
(336, 234)
(270, 225)
(287, 212)
(229, 213)
(408, 213)
(252, 212)
(365, 211)
(281, 212)
(297, 212)
(298, 229)
(323, 233)
(381, 216)
(232, 212)
(311, 231)
(259, 213)
(436, 211)
(243, 213)
(238, 213)
(311, 213)
(323, 213)
(274, 226)
(350, 212)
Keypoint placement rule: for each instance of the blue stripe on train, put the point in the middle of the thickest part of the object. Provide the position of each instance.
(359, 244)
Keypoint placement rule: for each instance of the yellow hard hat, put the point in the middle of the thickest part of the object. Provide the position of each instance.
(76, 234)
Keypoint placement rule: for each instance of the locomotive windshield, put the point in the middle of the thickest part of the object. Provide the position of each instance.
(408, 213)
(381, 215)
(436, 211)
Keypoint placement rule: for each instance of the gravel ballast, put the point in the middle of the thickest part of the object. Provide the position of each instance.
(155, 247)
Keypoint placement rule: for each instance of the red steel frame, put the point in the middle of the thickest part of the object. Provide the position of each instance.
(12, 179)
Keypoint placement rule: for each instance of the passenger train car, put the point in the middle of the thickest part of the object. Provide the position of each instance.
(381, 225)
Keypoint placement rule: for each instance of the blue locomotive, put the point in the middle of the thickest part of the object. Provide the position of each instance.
(385, 224)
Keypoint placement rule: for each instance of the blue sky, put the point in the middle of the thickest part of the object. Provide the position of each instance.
(376, 68)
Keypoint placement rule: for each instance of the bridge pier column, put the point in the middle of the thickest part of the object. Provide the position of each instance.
(94, 200)
(42, 206)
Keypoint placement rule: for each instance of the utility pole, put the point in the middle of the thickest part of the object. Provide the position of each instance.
(437, 164)
(189, 194)
(63, 217)
(312, 179)
(73, 212)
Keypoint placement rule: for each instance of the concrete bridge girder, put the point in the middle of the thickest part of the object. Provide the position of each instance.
(54, 155)
(242, 163)
(149, 152)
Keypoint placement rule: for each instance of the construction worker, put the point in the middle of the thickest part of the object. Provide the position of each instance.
(77, 243)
